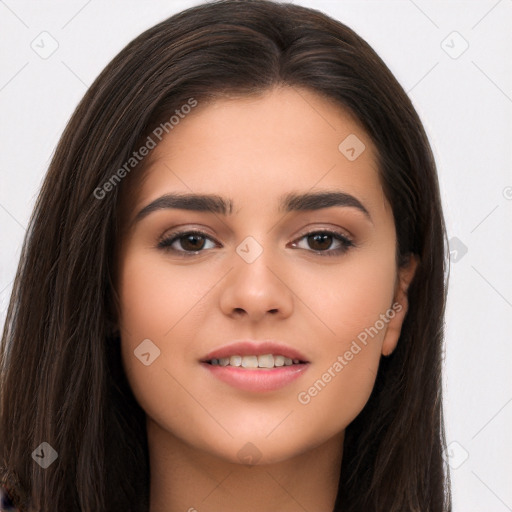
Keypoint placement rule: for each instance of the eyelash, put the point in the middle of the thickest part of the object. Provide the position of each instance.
(346, 243)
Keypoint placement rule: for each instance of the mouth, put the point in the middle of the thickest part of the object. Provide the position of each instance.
(255, 362)
(256, 367)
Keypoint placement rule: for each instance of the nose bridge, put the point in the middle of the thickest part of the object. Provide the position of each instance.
(250, 249)
(254, 286)
(253, 266)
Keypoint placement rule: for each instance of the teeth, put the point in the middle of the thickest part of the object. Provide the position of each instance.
(235, 360)
(278, 360)
(250, 362)
(264, 361)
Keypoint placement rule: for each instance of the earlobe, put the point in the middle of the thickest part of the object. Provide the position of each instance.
(400, 305)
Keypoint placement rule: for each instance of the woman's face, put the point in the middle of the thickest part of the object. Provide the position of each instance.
(264, 270)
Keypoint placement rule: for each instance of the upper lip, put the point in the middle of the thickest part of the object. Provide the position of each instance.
(254, 348)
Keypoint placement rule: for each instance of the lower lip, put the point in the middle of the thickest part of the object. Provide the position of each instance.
(263, 379)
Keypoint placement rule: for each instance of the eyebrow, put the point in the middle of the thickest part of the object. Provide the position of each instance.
(216, 204)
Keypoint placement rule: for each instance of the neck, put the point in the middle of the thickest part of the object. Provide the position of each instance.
(185, 479)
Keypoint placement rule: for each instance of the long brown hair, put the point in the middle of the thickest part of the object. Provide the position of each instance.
(62, 381)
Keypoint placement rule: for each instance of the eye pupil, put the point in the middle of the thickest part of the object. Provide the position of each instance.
(192, 239)
(320, 237)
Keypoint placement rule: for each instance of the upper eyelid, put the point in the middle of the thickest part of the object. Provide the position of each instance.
(178, 230)
(328, 230)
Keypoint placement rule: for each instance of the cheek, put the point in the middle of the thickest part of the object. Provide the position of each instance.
(154, 302)
(357, 309)
(150, 305)
(351, 296)
(162, 303)
(154, 296)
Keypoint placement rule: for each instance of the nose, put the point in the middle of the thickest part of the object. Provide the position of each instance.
(257, 289)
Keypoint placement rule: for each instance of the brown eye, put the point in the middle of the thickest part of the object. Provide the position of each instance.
(321, 242)
(184, 242)
(192, 242)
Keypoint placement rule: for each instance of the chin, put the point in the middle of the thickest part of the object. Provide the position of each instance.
(255, 450)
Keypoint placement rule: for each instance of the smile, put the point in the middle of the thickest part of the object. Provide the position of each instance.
(256, 378)
(262, 361)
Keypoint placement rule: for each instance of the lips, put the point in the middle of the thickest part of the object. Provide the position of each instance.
(247, 377)
(251, 348)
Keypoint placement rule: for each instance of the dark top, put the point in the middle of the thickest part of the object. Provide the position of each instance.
(6, 504)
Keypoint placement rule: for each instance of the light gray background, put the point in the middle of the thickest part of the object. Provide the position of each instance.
(464, 97)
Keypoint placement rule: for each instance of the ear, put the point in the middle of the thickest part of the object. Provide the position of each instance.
(400, 304)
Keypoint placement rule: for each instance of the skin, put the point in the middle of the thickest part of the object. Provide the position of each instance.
(253, 150)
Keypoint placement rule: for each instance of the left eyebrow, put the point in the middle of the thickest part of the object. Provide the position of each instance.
(318, 200)
(216, 204)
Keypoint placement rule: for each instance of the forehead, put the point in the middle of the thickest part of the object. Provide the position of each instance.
(253, 148)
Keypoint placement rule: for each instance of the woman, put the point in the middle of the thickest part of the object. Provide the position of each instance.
(231, 294)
